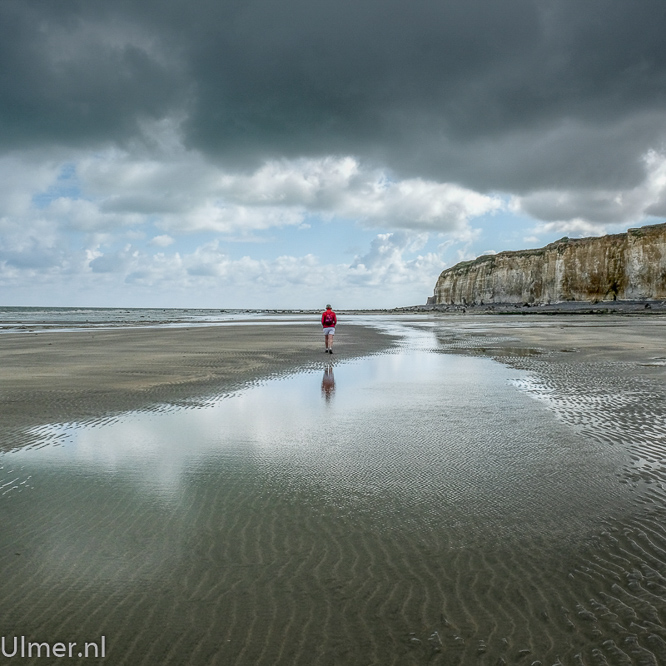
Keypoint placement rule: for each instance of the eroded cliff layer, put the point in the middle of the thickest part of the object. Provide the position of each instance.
(629, 266)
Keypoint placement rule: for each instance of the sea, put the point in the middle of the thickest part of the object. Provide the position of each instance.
(45, 318)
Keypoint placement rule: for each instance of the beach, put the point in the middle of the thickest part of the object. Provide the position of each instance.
(443, 490)
(85, 374)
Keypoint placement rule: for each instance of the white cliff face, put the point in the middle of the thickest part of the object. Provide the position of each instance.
(629, 266)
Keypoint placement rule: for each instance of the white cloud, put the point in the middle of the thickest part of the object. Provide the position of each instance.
(391, 267)
(574, 227)
(183, 194)
(219, 217)
(342, 187)
(21, 178)
(210, 261)
(162, 241)
(385, 264)
(418, 204)
(310, 183)
(87, 216)
(595, 211)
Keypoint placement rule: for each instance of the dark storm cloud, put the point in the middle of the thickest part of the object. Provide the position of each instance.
(71, 77)
(516, 95)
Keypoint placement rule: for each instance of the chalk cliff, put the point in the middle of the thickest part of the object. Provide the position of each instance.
(629, 266)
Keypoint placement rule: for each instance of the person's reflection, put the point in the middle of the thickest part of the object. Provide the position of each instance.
(328, 383)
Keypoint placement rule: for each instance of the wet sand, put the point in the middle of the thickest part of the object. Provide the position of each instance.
(473, 513)
(637, 340)
(85, 375)
(605, 379)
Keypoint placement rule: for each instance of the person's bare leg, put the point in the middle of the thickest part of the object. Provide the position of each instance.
(330, 342)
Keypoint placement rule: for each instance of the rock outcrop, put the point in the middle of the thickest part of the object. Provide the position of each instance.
(629, 266)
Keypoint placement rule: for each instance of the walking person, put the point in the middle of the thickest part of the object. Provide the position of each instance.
(328, 321)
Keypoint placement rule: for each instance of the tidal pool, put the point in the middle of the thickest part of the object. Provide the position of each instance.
(409, 507)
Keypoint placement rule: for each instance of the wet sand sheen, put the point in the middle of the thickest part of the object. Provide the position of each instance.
(430, 511)
(84, 375)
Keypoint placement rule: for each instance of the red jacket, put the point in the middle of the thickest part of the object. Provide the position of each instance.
(329, 313)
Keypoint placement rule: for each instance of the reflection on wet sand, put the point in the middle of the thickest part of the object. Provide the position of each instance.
(328, 383)
(441, 516)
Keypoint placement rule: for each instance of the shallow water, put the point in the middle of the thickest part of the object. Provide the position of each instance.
(410, 507)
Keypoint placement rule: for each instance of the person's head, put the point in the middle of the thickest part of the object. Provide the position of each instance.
(328, 307)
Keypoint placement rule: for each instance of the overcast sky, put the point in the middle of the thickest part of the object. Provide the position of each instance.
(253, 153)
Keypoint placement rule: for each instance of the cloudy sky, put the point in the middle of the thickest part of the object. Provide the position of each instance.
(253, 153)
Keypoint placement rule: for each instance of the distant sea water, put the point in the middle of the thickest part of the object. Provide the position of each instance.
(51, 318)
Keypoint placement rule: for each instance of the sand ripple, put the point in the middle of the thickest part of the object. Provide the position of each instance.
(516, 516)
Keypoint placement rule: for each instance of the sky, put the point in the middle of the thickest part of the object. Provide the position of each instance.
(262, 154)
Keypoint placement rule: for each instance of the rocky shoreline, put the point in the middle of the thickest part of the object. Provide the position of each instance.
(644, 308)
